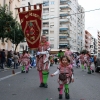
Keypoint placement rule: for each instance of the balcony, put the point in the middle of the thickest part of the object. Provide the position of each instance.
(45, 4)
(64, 2)
(63, 45)
(63, 39)
(64, 33)
(64, 19)
(45, 10)
(46, 25)
(64, 27)
(64, 15)
(65, 8)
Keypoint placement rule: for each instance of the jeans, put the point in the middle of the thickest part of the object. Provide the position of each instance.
(15, 65)
(9, 62)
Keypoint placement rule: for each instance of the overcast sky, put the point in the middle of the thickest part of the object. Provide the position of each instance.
(92, 19)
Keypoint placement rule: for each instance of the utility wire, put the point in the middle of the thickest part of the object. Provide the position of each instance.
(75, 13)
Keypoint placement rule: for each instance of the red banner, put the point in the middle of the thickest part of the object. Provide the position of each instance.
(31, 24)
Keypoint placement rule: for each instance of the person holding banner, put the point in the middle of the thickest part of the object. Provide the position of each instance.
(43, 62)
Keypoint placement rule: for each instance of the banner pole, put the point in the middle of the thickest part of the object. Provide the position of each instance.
(29, 5)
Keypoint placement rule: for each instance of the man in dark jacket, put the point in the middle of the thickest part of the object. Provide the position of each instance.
(2, 58)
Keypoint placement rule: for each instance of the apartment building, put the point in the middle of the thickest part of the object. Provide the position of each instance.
(87, 40)
(98, 43)
(80, 29)
(12, 4)
(60, 23)
(93, 46)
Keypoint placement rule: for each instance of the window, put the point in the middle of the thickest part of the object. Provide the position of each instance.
(52, 9)
(45, 3)
(51, 38)
(51, 32)
(52, 45)
(45, 17)
(45, 32)
(52, 3)
(51, 26)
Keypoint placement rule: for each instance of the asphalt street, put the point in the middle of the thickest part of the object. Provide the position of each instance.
(25, 86)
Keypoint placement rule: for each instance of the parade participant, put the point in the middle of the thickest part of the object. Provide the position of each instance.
(69, 54)
(43, 62)
(88, 62)
(81, 57)
(65, 76)
(24, 60)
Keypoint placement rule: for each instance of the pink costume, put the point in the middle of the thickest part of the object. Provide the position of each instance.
(68, 71)
(43, 57)
(43, 63)
(81, 57)
(64, 83)
(24, 59)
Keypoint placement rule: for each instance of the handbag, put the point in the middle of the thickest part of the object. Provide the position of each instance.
(62, 76)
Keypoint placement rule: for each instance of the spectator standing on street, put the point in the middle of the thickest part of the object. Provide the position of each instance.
(9, 58)
(15, 58)
(3, 58)
(65, 76)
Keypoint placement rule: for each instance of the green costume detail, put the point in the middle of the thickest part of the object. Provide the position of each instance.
(66, 88)
(45, 76)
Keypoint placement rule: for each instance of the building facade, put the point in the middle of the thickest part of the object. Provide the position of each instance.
(61, 23)
(12, 4)
(98, 44)
(87, 40)
(80, 29)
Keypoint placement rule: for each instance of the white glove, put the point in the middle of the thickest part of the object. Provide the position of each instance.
(49, 49)
(44, 52)
(38, 53)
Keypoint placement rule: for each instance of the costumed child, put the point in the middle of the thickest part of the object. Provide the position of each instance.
(43, 62)
(65, 76)
(81, 57)
(24, 60)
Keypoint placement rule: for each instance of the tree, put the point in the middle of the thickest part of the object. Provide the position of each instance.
(9, 27)
(6, 21)
(16, 35)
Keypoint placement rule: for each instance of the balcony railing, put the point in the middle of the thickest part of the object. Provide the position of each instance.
(65, 14)
(64, 19)
(63, 2)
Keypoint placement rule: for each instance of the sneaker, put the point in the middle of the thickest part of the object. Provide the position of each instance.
(45, 86)
(60, 96)
(67, 96)
(92, 71)
(89, 72)
(41, 85)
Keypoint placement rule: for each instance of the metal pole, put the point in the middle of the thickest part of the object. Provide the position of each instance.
(29, 5)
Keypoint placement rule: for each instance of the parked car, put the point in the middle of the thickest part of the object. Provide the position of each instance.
(97, 65)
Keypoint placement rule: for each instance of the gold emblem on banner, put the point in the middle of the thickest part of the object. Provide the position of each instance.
(32, 31)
